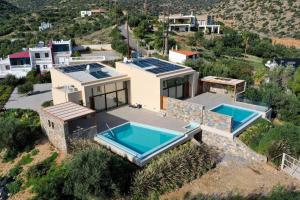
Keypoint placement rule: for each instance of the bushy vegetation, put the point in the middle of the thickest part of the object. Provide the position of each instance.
(25, 88)
(15, 186)
(272, 141)
(47, 103)
(118, 42)
(173, 169)
(6, 88)
(19, 129)
(96, 173)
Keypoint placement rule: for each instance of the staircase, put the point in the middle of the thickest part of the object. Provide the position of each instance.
(290, 165)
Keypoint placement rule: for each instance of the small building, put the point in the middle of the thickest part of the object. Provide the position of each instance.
(45, 26)
(41, 58)
(93, 85)
(20, 63)
(85, 13)
(152, 78)
(294, 62)
(68, 121)
(61, 51)
(220, 85)
(181, 56)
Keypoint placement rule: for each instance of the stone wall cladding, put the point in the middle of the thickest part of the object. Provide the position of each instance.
(217, 121)
(55, 135)
(183, 110)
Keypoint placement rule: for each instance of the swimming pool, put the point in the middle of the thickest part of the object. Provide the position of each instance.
(138, 141)
(240, 116)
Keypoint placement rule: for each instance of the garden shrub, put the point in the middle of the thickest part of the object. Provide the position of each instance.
(41, 168)
(35, 152)
(26, 159)
(47, 103)
(253, 134)
(173, 169)
(19, 129)
(98, 173)
(281, 139)
(25, 88)
(51, 185)
(15, 187)
(15, 171)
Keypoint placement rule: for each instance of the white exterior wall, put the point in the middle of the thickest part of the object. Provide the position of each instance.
(45, 63)
(144, 87)
(177, 57)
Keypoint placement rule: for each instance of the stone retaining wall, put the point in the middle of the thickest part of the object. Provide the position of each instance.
(183, 110)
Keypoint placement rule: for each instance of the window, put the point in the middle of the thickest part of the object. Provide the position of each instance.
(46, 55)
(37, 55)
(52, 125)
(45, 67)
(49, 123)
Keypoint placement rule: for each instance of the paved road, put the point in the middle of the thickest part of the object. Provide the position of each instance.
(42, 94)
(132, 41)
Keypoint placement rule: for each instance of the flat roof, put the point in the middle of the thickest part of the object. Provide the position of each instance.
(222, 80)
(68, 111)
(90, 72)
(186, 52)
(157, 66)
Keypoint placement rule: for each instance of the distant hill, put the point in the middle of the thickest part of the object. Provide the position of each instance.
(175, 6)
(32, 4)
(7, 8)
(266, 17)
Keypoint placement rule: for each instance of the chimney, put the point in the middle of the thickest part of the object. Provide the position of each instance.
(88, 68)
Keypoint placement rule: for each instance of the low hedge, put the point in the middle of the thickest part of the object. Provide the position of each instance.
(173, 169)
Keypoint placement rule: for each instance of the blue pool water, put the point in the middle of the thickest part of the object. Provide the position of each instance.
(239, 115)
(140, 138)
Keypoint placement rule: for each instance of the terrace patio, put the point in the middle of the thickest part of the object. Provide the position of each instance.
(125, 114)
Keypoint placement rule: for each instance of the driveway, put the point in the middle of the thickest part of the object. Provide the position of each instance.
(42, 93)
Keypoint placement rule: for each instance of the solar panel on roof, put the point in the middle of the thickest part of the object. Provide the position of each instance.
(160, 66)
(100, 74)
(77, 68)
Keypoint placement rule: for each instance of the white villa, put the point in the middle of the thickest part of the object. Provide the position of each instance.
(186, 23)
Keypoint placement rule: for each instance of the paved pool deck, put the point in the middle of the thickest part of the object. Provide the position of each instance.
(126, 114)
(211, 100)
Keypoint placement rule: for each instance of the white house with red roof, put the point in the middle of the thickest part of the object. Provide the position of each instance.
(41, 58)
(181, 56)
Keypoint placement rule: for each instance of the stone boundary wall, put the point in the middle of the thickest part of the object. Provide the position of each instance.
(182, 110)
(55, 135)
(217, 121)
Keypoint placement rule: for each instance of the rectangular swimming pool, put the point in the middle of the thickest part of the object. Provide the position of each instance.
(138, 141)
(240, 116)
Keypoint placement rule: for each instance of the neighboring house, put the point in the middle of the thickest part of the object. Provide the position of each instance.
(94, 12)
(181, 56)
(207, 23)
(20, 63)
(186, 23)
(61, 51)
(181, 23)
(294, 62)
(85, 13)
(44, 26)
(41, 57)
(152, 78)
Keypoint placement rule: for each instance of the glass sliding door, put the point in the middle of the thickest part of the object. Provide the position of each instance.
(109, 96)
(174, 88)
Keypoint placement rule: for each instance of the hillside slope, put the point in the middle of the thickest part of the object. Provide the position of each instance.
(7, 8)
(266, 17)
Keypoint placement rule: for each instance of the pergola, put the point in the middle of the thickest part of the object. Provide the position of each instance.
(209, 82)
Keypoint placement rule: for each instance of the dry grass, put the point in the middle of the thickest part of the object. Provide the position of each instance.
(236, 179)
